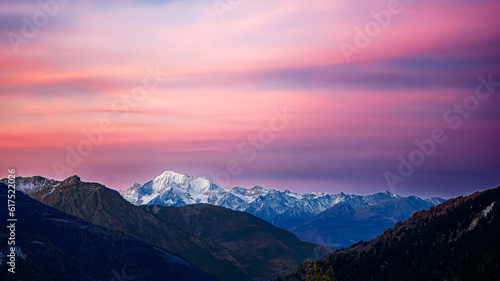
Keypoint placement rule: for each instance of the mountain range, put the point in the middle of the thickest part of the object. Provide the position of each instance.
(344, 224)
(331, 219)
(234, 256)
(283, 209)
(52, 245)
(455, 240)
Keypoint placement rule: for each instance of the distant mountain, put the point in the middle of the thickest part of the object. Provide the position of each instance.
(52, 245)
(455, 240)
(105, 207)
(269, 249)
(345, 224)
(283, 209)
(300, 213)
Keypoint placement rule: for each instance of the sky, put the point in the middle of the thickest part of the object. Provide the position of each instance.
(323, 96)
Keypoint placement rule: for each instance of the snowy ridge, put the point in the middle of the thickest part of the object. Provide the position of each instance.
(173, 189)
(32, 185)
(284, 209)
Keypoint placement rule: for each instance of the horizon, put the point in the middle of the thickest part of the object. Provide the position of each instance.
(266, 187)
(343, 96)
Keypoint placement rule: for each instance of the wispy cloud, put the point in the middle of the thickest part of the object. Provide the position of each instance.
(226, 77)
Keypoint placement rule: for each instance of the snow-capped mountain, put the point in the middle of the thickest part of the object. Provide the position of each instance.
(282, 208)
(329, 219)
(229, 244)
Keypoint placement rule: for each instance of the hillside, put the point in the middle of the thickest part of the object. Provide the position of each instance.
(269, 249)
(455, 240)
(52, 245)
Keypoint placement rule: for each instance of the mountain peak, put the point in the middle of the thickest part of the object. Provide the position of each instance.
(259, 188)
(71, 180)
(170, 173)
(388, 193)
(136, 186)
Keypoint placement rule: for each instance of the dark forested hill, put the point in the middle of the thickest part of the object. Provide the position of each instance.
(455, 240)
(268, 249)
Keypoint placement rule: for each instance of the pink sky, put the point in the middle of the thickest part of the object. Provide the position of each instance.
(225, 79)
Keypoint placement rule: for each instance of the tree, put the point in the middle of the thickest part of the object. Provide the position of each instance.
(314, 272)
